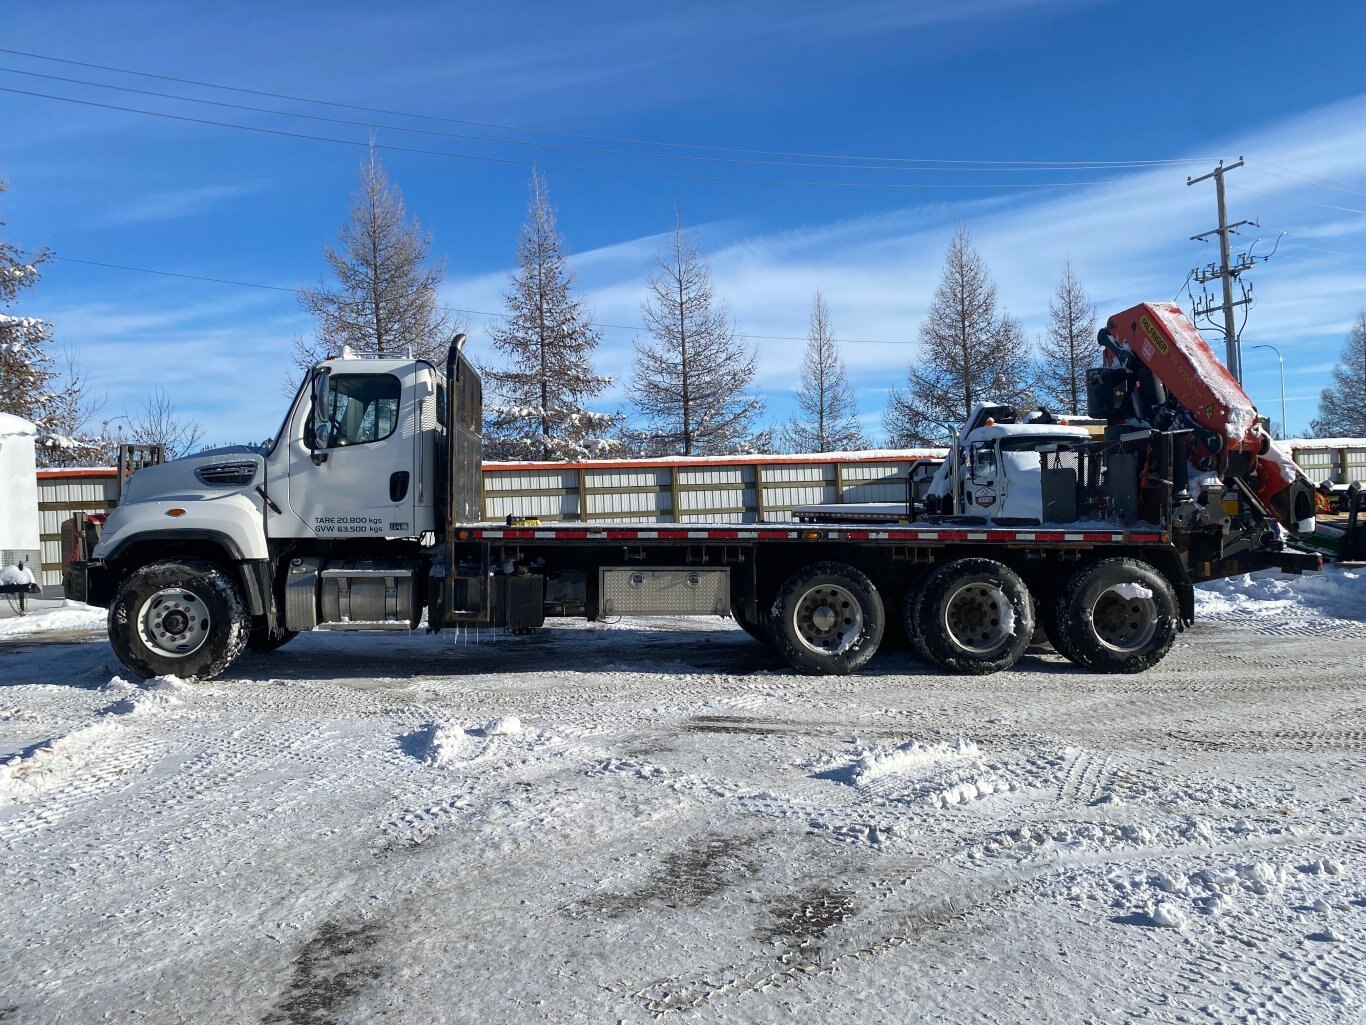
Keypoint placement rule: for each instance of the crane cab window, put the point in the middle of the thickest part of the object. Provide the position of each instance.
(982, 459)
(359, 409)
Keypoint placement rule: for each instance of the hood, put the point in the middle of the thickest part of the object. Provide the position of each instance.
(204, 475)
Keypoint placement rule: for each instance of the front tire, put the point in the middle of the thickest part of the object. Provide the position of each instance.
(827, 619)
(1117, 616)
(178, 617)
(972, 616)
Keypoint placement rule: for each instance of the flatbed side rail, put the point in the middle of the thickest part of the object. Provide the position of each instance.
(809, 533)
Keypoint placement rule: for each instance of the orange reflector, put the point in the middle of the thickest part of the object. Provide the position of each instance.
(175, 512)
(812, 535)
(463, 535)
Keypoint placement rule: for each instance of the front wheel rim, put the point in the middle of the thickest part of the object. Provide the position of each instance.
(828, 619)
(979, 618)
(1125, 617)
(174, 622)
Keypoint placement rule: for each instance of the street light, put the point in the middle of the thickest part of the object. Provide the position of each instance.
(1285, 427)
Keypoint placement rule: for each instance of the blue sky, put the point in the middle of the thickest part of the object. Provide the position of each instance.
(1147, 93)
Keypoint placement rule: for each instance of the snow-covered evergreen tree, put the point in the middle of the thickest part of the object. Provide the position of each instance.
(692, 375)
(541, 393)
(969, 352)
(828, 421)
(1068, 349)
(1342, 405)
(30, 384)
(385, 297)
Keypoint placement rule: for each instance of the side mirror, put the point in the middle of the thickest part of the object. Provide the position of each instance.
(319, 413)
(321, 380)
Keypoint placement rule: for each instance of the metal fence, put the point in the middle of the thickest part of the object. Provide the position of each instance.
(1340, 460)
(61, 493)
(727, 490)
(750, 489)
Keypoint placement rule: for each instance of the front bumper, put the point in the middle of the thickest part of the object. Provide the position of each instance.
(89, 582)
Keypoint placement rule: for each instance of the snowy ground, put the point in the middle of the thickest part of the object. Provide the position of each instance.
(659, 821)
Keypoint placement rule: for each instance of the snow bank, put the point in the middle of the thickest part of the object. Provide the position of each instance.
(48, 766)
(441, 744)
(1337, 592)
(69, 616)
(908, 756)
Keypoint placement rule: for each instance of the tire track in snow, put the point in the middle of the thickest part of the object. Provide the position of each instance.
(1085, 777)
(58, 777)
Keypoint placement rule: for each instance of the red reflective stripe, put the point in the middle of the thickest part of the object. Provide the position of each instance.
(519, 533)
(572, 535)
(1145, 537)
(1098, 537)
(858, 535)
(674, 534)
(1000, 535)
(621, 535)
(725, 533)
(953, 535)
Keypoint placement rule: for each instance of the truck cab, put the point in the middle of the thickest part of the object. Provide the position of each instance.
(338, 523)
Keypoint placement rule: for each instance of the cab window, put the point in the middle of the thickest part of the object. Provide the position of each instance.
(983, 459)
(359, 409)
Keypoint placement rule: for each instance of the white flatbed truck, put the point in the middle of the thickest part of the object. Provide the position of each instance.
(364, 514)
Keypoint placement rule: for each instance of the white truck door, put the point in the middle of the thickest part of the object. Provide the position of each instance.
(982, 481)
(353, 473)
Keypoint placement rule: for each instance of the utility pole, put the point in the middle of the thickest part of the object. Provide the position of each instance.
(1226, 271)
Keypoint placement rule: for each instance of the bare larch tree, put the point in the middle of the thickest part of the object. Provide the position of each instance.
(1342, 405)
(969, 352)
(828, 417)
(547, 342)
(385, 296)
(30, 385)
(692, 374)
(1068, 348)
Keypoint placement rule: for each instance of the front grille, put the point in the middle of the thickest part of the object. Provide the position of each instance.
(227, 475)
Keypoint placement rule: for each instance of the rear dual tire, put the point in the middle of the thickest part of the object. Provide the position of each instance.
(970, 616)
(827, 619)
(1114, 616)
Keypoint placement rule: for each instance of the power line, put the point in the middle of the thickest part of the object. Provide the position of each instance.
(1297, 199)
(640, 328)
(1017, 164)
(1293, 175)
(565, 146)
(896, 186)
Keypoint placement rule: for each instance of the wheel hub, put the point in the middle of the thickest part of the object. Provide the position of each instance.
(1124, 621)
(979, 617)
(173, 622)
(828, 619)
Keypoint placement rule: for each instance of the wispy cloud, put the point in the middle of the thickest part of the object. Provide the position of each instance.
(175, 204)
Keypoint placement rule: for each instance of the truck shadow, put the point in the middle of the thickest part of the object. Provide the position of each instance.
(637, 650)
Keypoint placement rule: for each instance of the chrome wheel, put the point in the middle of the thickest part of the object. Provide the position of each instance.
(979, 617)
(828, 619)
(1125, 616)
(174, 622)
